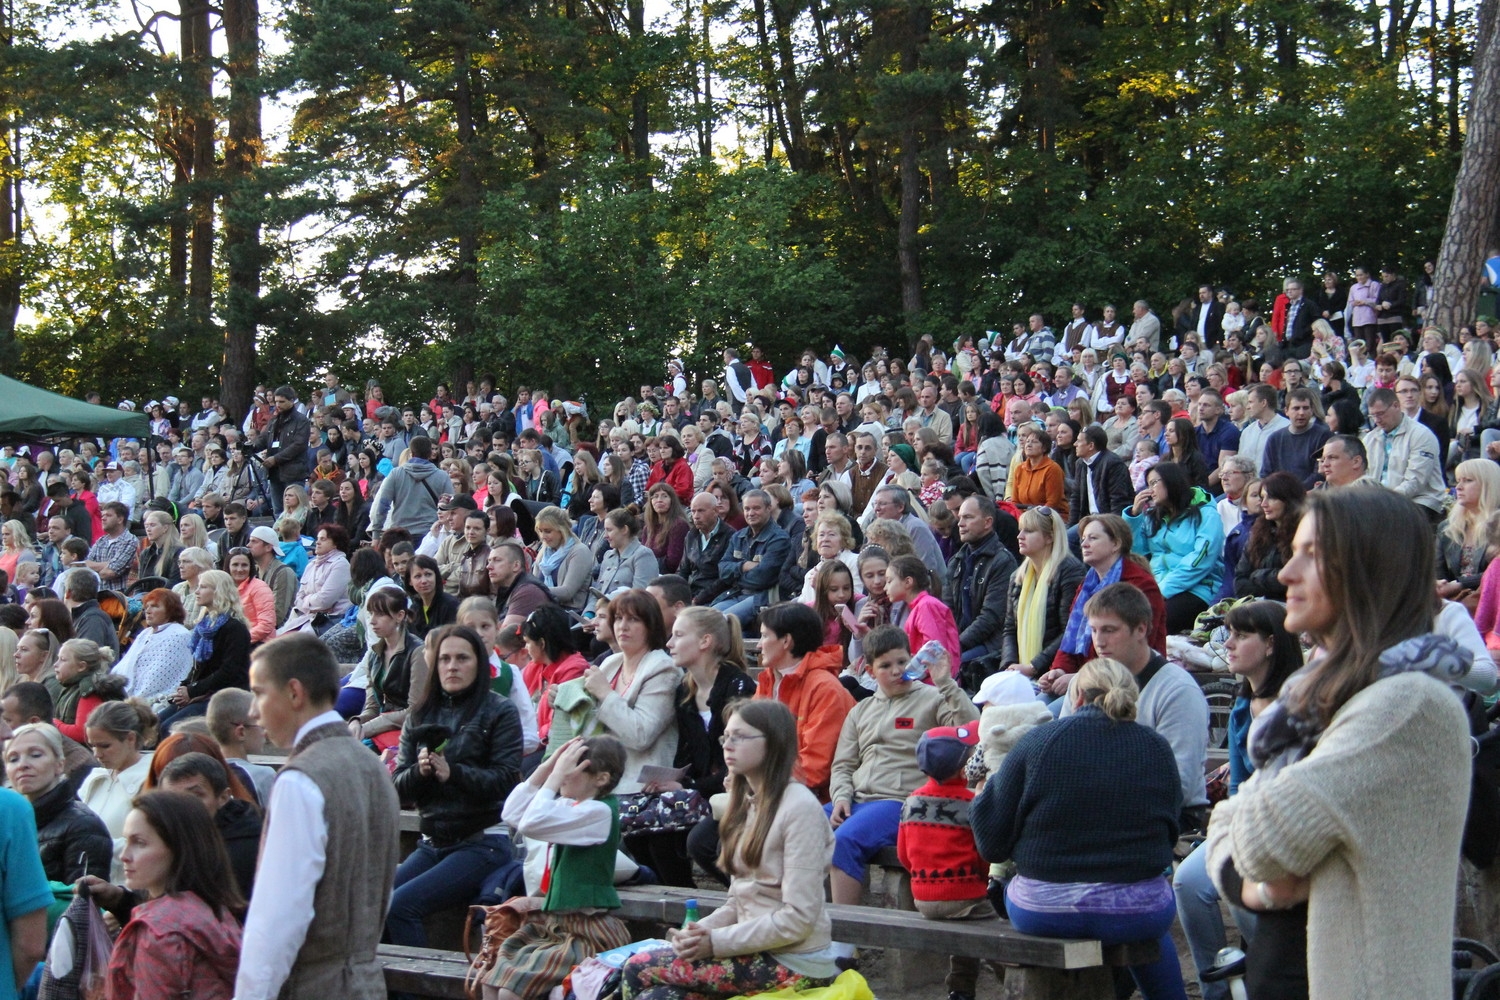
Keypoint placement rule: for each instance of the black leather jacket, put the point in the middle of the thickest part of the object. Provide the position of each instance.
(1061, 590)
(987, 584)
(73, 840)
(484, 761)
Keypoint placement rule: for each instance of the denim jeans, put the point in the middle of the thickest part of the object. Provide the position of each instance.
(743, 606)
(1202, 922)
(1158, 980)
(175, 714)
(438, 878)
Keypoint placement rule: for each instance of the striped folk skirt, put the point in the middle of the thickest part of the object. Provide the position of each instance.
(538, 956)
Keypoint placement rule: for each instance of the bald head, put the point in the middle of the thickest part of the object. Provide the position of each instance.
(704, 511)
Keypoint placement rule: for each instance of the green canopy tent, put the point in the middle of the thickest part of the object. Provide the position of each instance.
(29, 414)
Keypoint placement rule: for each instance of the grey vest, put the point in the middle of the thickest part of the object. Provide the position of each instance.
(338, 959)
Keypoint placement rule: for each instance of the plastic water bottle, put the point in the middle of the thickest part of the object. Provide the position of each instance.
(691, 916)
(921, 664)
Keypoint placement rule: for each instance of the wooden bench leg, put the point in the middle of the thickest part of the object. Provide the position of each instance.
(905, 970)
(1057, 984)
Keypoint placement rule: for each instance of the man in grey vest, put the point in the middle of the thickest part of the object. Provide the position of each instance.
(330, 848)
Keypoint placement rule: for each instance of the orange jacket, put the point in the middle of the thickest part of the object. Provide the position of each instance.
(819, 703)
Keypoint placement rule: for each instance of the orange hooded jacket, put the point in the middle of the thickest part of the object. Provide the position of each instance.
(819, 703)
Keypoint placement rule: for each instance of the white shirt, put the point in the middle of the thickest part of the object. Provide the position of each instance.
(431, 543)
(110, 795)
(521, 698)
(293, 855)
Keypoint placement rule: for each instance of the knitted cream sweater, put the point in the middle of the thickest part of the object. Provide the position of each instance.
(1374, 815)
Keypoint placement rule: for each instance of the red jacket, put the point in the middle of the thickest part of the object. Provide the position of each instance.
(1140, 576)
(679, 477)
(936, 844)
(819, 703)
(541, 677)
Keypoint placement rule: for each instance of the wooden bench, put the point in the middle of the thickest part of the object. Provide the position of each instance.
(1045, 968)
(424, 971)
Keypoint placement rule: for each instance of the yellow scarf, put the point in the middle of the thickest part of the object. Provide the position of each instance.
(1031, 612)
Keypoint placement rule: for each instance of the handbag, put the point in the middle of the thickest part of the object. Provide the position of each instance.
(662, 812)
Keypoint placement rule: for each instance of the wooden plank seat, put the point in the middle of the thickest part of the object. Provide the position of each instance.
(424, 971)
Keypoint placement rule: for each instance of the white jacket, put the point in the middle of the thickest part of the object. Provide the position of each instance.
(1406, 460)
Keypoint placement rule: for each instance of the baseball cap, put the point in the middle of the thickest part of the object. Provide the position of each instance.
(265, 534)
(463, 500)
(942, 752)
(112, 467)
(1005, 687)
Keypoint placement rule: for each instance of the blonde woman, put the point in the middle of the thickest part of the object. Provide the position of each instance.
(1463, 540)
(35, 654)
(564, 565)
(1041, 593)
(18, 547)
(8, 646)
(159, 558)
(295, 504)
(221, 648)
(191, 562)
(192, 532)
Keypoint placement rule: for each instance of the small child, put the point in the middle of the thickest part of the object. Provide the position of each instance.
(1145, 457)
(875, 764)
(949, 878)
(567, 803)
(932, 482)
(1234, 319)
(81, 664)
(480, 614)
(74, 550)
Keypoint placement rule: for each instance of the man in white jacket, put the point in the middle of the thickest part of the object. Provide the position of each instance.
(1403, 455)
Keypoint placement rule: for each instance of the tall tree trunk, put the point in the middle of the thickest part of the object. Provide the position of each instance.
(466, 195)
(1472, 214)
(10, 219)
(914, 33)
(640, 103)
(197, 70)
(242, 204)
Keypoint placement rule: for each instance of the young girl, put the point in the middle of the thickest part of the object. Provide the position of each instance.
(932, 482)
(568, 803)
(872, 611)
(551, 645)
(774, 931)
(1145, 458)
(506, 679)
(924, 616)
(81, 664)
(1234, 319)
(833, 592)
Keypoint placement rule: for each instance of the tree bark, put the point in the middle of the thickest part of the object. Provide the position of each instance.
(10, 223)
(242, 204)
(197, 71)
(1472, 213)
(917, 25)
(466, 202)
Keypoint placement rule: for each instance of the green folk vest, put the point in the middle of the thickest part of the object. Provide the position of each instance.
(585, 876)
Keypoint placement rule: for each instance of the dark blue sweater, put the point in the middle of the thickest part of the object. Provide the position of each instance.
(1084, 799)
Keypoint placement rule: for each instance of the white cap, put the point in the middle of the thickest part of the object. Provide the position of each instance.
(1006, 687)
(265, 534)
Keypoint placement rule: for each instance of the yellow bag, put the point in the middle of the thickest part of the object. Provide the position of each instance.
(850, 985)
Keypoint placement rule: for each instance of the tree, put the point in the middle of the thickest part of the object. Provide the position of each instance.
(242, 204)
(1474, 211)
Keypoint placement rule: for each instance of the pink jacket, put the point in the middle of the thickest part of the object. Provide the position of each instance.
(927, 617)
(175, 946)
(260, 609)
(1488, 611)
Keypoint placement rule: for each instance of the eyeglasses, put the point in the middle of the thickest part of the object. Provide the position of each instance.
(734, 741)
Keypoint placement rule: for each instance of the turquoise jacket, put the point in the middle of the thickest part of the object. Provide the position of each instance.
(1186, 554)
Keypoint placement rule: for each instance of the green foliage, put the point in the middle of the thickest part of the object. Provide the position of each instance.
(459, 189)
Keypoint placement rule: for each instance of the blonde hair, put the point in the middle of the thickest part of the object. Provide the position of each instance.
(47, 639)
(8, 643)
(196, 533)
(93, 656)
(555, 517)
(226, 596)
(1033, 519)
(839, 523)
(20, 537)
(196, 555)
(173, 538)
(1462, 522)
(1107, 684)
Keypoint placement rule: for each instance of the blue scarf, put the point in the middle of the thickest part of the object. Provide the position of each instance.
(1076, 634)
(551, 559)
(203, 636)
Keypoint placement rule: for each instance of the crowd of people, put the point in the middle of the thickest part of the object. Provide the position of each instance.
(528, 622)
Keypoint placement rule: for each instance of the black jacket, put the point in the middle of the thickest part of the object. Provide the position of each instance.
(285, 439)
(444, 611)
(91, 622)
(228, 667)
(987, 583)
(239, 825)
(1066, 579)
(1450, 557)
(1113, 491)
(700, 562)
(484, 760)
(698, 747)
(1213, 330)
(73, 841)
(1259, 579)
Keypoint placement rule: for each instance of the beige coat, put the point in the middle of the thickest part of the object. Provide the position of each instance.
(1373, 816)
(642, 717)
(877, 750)
(778, 907)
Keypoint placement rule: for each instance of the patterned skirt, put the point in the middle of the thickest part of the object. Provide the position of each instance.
(538, 956)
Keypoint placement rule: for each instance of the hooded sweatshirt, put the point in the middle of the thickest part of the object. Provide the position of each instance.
(819, 703)
(877, 748)
(409, 497)
(175, 945)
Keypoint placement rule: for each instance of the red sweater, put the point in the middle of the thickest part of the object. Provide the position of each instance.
(936, 843)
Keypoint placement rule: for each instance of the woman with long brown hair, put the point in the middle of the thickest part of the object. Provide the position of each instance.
(774, 931)
(1270, 546)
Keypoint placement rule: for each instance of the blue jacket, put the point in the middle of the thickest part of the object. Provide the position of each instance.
(1240, 765)
(769, 551)
(1187, 554)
